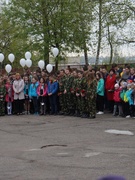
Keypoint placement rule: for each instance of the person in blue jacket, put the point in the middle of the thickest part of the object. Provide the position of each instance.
(52, 93)
(100, 93)
(33, 94)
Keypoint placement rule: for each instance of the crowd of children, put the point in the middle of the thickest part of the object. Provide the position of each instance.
(82, 93)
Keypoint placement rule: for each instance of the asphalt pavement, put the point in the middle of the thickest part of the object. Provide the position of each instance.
(65, 148)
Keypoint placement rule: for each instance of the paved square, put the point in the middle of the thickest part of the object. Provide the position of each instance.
(65, 148)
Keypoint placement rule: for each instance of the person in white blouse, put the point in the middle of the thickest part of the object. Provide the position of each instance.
(18, 87)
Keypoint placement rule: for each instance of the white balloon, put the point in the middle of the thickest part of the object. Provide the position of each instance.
(55, 51)
(22, 62)
(8, 68)
(28, 63)
(1, 57)
(49, 68)
(27, 55)
(11, 57)
(41, 64)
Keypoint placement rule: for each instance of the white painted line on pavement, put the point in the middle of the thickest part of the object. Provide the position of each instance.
(119, 132)
(87, 155)
(62, 154)
(33, 150)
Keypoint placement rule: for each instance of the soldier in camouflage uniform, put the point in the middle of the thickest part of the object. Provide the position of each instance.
(73, 93)
(67, 92)
(91, 94)
(78, 93)
(2, 98)
(84, 104)
(61, 92)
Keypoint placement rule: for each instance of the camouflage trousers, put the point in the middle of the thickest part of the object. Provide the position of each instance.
(78, 103)
(84, 105)
(72, 101)
(92, 106)
(62, 102)
(66, 102)
(2, 107)
(69, 103)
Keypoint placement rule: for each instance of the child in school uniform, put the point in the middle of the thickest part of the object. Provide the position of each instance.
(42, 93)
(9, 96)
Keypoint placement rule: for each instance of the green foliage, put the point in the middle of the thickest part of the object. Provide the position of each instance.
(69, 25)
(43, 24)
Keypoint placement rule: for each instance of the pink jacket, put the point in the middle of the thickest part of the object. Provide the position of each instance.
(116, 96)
(44, 89)
(9, 93)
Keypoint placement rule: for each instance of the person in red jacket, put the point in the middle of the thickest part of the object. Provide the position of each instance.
(109, 87)
(117, 101)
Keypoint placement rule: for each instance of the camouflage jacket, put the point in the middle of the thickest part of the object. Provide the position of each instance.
(73, 85)
(91, 89)
(68, 83)
(61, 84)
(81, 85)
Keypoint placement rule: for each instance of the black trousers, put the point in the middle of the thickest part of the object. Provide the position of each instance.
(42, 99)
(47, 104)
(132, 110)
(127, 109)
(111, 105)
(18, 106)
(100, 103)
(53, 103)
(35, 103)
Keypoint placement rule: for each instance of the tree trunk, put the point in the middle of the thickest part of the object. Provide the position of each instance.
(111, 45)
(111, 53)
(85, 54)
(99, 32)
(56, 59)
(45, 32)
(56, 63)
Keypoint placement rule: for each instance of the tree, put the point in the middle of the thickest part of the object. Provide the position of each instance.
(39, 26)
(82, 25)
(99, 31)
(10, 41)
(62, 24)
(112, 18)
(69, 25)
